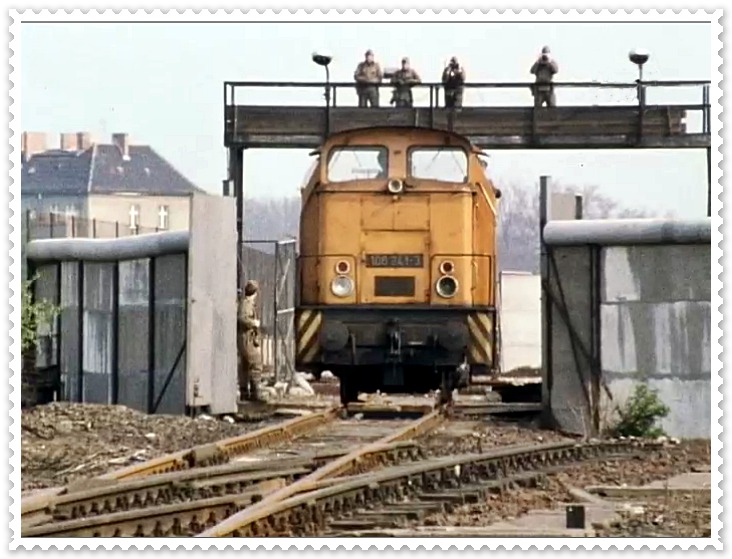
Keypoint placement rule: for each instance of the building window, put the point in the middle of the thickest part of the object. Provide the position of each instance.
(163, 217)
(134, 218)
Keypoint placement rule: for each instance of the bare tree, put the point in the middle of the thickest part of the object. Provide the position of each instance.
(518, 219)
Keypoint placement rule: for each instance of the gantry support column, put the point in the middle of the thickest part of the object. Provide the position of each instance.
(236, 176)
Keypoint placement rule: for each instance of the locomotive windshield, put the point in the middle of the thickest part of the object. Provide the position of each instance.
(358, 163)
(447, 164)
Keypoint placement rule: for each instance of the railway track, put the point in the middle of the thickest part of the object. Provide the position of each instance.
(89, 495)
(184, 500)
(409, 490)
(336, 477)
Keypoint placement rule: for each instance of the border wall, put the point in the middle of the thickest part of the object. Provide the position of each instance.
(147, 321)
(627, 301)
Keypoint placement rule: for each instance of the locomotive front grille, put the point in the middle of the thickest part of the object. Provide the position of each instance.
(389, 286)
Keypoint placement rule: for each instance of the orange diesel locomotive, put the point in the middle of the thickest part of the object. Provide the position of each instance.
(397, 269)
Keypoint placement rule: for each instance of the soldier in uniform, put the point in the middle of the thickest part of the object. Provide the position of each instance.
(403, 81)
(453, 78)
(248, 343)
(544, 69)
(368, 76)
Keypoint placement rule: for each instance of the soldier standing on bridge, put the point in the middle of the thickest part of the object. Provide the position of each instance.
(453, 79)
(368, 76)
(544, 69)
(248, 343)
(403, 81)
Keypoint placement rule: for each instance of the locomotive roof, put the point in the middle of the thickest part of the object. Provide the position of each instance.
(450, 138)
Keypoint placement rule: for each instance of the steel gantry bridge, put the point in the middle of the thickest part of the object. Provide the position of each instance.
(637, 125)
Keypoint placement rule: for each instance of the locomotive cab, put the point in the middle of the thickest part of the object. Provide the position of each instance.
(397, 265)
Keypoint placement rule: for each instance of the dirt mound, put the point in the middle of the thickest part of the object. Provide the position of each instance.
(62, 442)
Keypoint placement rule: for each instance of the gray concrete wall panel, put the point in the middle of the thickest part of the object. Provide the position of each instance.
(689, 400)
(212, 358)
(170, 333)
(98, 332)
(134, 319)
(70, 358)
(569, 386)
(655, 321)
(657, 339)
(654, 273)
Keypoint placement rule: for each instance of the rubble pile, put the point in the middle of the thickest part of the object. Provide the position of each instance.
(678, 517)
(63, 442)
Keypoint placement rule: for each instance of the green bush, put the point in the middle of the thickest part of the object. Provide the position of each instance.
(640, 413)
(32, 315)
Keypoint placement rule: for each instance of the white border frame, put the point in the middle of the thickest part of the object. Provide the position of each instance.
(714, 17)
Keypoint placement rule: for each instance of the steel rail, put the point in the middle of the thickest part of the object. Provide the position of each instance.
(198, 483)
(39, 504)
(226, 448)
(302, 509)
(169, 519)
(357, 461)
(497, 466)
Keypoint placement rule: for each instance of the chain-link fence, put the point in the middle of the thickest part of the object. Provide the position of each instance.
(273, 265)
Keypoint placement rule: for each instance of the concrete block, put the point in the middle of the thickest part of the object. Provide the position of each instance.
(656, 273)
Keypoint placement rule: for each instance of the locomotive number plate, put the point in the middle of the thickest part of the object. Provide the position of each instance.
(394, 261)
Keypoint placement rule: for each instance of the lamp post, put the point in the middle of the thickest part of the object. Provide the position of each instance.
(640, 57)
(324, 59)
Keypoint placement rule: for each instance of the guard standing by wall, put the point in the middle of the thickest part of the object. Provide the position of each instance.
(453, 79)
(403, 81)
(544, 69)
(368, 76)
(249, 343)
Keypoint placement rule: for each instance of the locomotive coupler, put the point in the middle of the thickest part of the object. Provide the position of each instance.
(395, 341)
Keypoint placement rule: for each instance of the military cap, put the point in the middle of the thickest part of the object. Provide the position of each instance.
(251, 287)
(368, 52)
(405, 59)
(545, 50)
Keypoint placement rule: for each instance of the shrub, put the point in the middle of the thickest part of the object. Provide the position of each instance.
(640, 413)
(33, 313)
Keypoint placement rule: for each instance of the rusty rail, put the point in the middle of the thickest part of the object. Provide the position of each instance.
(161, 505)
(307, 512)
(221, 451)
(35, 507)
(359, 460)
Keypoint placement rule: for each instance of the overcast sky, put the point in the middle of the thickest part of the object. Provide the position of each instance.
(163, 84)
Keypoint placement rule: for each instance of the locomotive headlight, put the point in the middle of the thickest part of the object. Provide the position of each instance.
(395, 186)
(446, 287)
(341, 286)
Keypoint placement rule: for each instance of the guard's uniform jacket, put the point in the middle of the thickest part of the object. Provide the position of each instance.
(403, 81)
(543, 89)
(249, 347)
(368, 76)
(453, 79)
